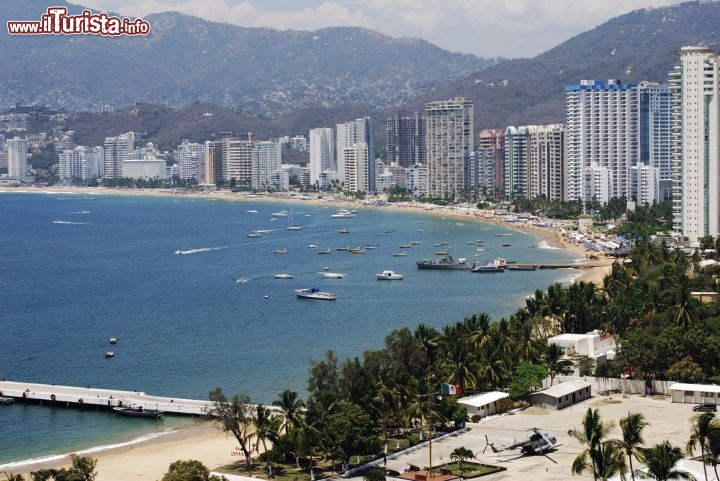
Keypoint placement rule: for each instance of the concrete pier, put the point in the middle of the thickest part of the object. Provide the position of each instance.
(87, 397)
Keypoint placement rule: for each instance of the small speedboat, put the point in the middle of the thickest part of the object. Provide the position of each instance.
(113, 340)
(314, 293)
(331, 275)
(388, 275)
(109, 354)
(280, 251)
(283, 276)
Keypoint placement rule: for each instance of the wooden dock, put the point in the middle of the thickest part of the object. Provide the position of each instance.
(96, 399)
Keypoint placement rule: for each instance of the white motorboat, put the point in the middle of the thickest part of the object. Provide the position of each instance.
(331, 275)
(389, 276)
(314, 293)
(282, 213)
(113, 340)
(254, 234)
(283, 276)
(343, 214)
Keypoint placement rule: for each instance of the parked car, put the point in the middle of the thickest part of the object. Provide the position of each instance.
(705, 408)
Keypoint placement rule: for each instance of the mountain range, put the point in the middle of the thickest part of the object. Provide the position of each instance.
(186, 59)
(203, 77)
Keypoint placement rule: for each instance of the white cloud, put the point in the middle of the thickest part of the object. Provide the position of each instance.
(509, 28)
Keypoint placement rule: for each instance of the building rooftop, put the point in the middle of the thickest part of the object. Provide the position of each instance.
(482, 399)
(565, 388)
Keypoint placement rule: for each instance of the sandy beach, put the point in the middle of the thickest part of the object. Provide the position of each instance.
(149, 460)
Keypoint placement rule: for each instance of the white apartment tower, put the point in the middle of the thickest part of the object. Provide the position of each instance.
(357, 166)
(322, 153)
(267, 161)
(190, 158)
(81, 163)
(17, 150)
(117, 150)
(535, 161)
(359, 131)
(602, 123)
(694, 83)
(449, 140)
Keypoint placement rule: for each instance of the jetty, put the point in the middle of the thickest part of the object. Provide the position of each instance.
(98, 399)
(578, 265)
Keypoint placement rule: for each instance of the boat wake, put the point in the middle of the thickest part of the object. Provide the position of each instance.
(68, 222)
(81, 212)
(97, 449)
(202, 249)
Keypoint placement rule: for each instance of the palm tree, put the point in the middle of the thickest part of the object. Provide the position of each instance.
(290, 404)
(713, 447)
(632, 427)
(13, 477)
(458, 366)
(702, 426)
(661, 460)
(267, 427)
(591, 435)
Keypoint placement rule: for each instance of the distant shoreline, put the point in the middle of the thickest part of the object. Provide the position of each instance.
(553, 237)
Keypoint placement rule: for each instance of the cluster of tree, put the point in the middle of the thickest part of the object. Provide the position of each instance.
(605, 458)
(541, 205)
(82, 468)
(155, 183)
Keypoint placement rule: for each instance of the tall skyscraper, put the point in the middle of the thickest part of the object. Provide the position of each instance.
(237, 160)
(322, 153)
(602, 123)
(213, 171)
(535, 161)
(695, 84)
(351, 133)
(17, 150)
(490, 160)
(190, 158)
(266, 163)
(405, 137)
(81, 163)
(449, 140)
(117, 150)
(357, 165)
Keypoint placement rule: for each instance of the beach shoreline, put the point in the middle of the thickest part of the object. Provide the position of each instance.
(553, 237)
(205, 442)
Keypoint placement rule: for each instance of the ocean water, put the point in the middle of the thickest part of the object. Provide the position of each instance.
(76, 270)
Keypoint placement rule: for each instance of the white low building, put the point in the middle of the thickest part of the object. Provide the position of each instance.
(562, 395)
(483, 404)
(695, 393)
(595, 346)
(145, 169)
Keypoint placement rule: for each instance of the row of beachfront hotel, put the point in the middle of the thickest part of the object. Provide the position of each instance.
(647, 142)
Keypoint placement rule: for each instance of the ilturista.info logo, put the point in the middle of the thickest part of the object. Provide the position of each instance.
(56, 21)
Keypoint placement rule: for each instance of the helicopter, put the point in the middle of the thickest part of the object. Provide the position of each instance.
(538, 443)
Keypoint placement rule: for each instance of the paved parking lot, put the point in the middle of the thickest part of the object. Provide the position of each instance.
(667, 421)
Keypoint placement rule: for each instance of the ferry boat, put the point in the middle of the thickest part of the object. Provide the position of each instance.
(314, 293)
(445, 262)
(495, 266)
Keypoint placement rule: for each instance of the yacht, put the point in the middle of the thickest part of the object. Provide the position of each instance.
(388, 275)
(314, 293)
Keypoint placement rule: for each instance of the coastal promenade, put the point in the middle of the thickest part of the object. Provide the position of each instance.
(93, 398)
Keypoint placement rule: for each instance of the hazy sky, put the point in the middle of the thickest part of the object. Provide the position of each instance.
(489, 28)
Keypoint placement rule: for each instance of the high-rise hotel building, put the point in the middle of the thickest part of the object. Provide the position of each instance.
(322, 154)
(359, 131)
(489, 161)
(535, 161)
(602, 123)
(694, 83)
(449, 141)
(17, 151)
(405, 137)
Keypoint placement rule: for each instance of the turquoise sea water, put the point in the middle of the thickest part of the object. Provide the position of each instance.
(76, 270)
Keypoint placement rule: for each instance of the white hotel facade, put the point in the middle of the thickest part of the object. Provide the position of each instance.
(694, 83)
